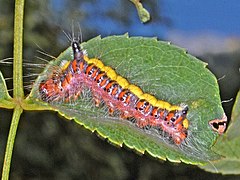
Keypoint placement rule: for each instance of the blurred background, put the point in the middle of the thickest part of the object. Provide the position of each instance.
(49, 147)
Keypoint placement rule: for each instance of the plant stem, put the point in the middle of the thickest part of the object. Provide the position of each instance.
(17, 52)
(18, 93)
(10, 142)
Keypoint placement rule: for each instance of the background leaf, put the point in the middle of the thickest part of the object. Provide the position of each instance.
(5, 98)
(228, 146)
(163, 70)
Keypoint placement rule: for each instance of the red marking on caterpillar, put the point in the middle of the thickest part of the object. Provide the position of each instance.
(219, 125)
(116, 92)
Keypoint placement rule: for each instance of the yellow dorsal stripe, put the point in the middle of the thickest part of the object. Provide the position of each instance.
(136, 90)
(110, 72)
(122, 82)
(163, 104)
(97, 62)
(150, 98)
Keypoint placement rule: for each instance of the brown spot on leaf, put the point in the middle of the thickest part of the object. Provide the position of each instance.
(219, 125)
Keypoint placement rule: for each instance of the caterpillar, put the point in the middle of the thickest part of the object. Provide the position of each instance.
(117, 93)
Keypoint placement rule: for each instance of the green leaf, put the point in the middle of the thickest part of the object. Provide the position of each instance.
(228, 146)
(5, 98)
(158, 68)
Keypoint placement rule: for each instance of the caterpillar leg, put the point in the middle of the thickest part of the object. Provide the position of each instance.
(110, 111)
(97, 101)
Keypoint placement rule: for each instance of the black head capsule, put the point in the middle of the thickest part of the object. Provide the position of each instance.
(77, 51)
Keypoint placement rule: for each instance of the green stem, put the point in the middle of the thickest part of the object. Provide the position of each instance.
(143, 14)
(10, 142)
(18, 93)
(17, 52)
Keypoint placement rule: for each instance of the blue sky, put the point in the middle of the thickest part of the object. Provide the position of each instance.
(190, 16)
(220, 16)
(197, 25)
